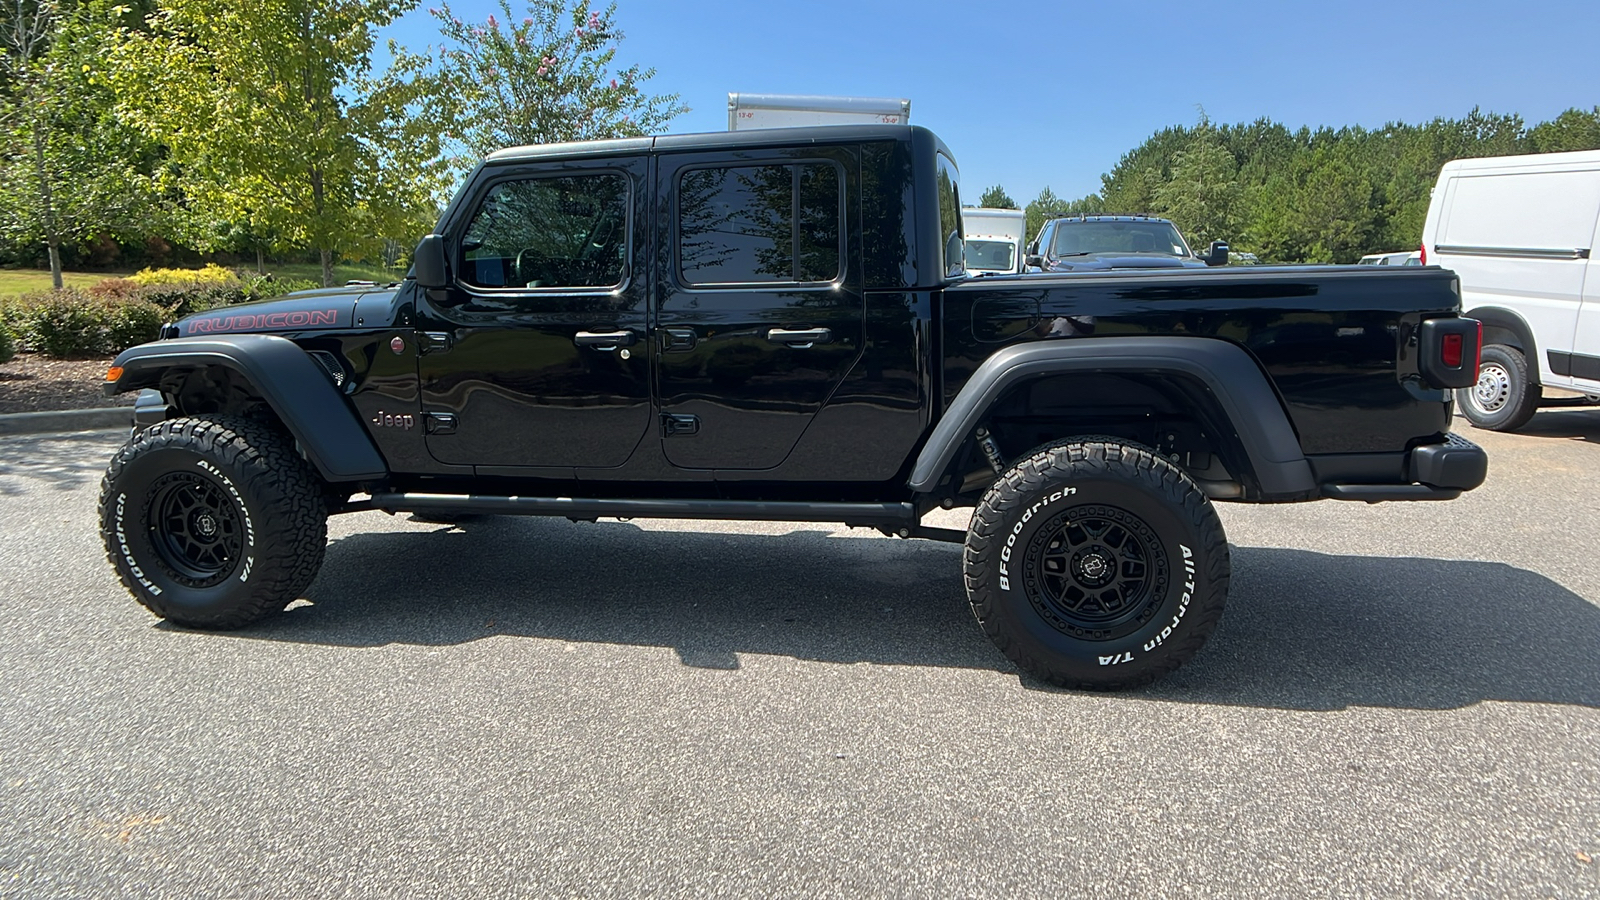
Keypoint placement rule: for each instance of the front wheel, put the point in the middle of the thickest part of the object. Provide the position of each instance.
(1096, 564)
(1505, 397)
(212, 522)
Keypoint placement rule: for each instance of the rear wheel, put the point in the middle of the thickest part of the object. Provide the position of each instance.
(212, 522)
(1505, 397)
(1096, 564)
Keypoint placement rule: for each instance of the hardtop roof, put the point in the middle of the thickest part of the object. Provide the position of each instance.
(716, 140)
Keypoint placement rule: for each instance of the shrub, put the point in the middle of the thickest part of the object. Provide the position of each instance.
(211, 275)
(8, 345)
(65, 323)
(133, 322)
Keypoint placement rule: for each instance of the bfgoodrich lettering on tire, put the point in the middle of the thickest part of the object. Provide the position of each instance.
(212, 522)
(1096, 564)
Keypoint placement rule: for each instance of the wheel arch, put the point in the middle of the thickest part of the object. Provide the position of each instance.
(285, 378)
(1503, 326)
(1220, 380)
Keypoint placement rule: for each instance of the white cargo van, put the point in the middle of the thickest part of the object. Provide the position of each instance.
(994, 239)
(1521, 231)
(746, 111)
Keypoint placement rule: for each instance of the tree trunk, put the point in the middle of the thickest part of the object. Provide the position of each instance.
(261, 261)
(55, 262)
(327, 268)
(52, 234)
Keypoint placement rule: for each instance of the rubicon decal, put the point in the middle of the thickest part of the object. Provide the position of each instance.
(257, 322)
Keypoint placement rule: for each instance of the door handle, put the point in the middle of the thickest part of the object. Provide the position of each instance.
(800, 339)
(605, 340)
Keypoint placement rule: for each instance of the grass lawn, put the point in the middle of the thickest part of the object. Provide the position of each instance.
(341, 273)
(21, 281)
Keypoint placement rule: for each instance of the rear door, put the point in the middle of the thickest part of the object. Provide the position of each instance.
(759, 306)
(1586, 344)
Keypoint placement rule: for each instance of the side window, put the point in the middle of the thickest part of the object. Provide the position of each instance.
(563, 232)
(760, 224)
(952, 252)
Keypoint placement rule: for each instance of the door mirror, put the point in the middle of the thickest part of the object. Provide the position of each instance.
(1217, 255)
(1034, 260)
(428, 265)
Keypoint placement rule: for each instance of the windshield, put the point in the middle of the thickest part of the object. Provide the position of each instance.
(1084, 238)
(996, 256)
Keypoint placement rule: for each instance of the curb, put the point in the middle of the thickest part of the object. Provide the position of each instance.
(100, 419)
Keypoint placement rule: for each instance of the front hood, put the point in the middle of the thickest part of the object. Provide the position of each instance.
(1102, 263)
(323, 309)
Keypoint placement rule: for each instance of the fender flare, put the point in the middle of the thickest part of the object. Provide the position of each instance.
(297, 389)
(1500, 317)
(1241, 389)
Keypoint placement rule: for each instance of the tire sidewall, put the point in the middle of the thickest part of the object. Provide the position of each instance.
(1169, 620)
(126, 518)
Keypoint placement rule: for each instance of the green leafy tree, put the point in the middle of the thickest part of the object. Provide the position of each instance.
(1575, 129)
(69, 168)
(1203, 195)
(996, 198)
(545, 76)
(275, 121)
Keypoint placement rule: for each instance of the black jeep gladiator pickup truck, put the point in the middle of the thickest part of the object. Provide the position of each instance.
(776, 325)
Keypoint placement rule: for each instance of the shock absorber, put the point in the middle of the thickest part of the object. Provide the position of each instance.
(991, 450)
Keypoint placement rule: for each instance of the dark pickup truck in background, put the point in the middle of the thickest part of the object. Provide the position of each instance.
(776, 325)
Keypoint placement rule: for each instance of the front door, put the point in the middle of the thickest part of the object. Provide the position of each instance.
(536, 355)
(760, 313)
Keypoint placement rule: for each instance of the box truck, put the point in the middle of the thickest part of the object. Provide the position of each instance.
(747, 111)
(994, 239)
(1520, 231)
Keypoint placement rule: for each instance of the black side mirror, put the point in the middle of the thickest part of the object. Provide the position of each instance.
(428, 265)
(1034, 260)
(1217, 255)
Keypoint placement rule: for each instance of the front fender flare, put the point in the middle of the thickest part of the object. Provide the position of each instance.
(1232, 376)
(296, 388)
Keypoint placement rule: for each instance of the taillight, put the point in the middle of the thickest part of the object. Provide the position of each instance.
(1445, 357)
(1450, 352)
(1422, 254)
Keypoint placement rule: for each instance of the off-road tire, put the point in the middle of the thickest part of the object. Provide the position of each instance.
(1127, 512)
(212, 522)
(1505, 397)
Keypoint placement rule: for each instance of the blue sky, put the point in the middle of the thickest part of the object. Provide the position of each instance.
(1035, 94)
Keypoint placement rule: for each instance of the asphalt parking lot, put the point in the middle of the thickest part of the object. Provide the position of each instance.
(1402, 699)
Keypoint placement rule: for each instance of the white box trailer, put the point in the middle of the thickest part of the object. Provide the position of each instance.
(746, 111)
(994, 239)
(1520, 231)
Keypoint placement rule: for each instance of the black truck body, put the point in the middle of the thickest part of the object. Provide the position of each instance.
(776, 325)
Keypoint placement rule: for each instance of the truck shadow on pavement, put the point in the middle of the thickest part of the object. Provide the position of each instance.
(1577, 423)
(1303, 630)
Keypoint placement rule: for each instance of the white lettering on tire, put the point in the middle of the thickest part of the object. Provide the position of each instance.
(1183, 604)
(249, 527)
(127, 552)
(1011, 539)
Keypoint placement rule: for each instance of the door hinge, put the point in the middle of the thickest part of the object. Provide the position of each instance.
(672, 425)
(441, 423)
(433, 342)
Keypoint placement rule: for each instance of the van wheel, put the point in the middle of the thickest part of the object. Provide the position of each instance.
(1505, 398)
(212, 522)
(1096, 564)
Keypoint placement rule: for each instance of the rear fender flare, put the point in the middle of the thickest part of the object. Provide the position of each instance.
(1242, 390)
(1498, 317)
(299, 392)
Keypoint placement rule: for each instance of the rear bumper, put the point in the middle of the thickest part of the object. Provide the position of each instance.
(1437, 472)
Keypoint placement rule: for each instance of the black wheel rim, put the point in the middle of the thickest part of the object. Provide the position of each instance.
(195, 529)
(1096, 572)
